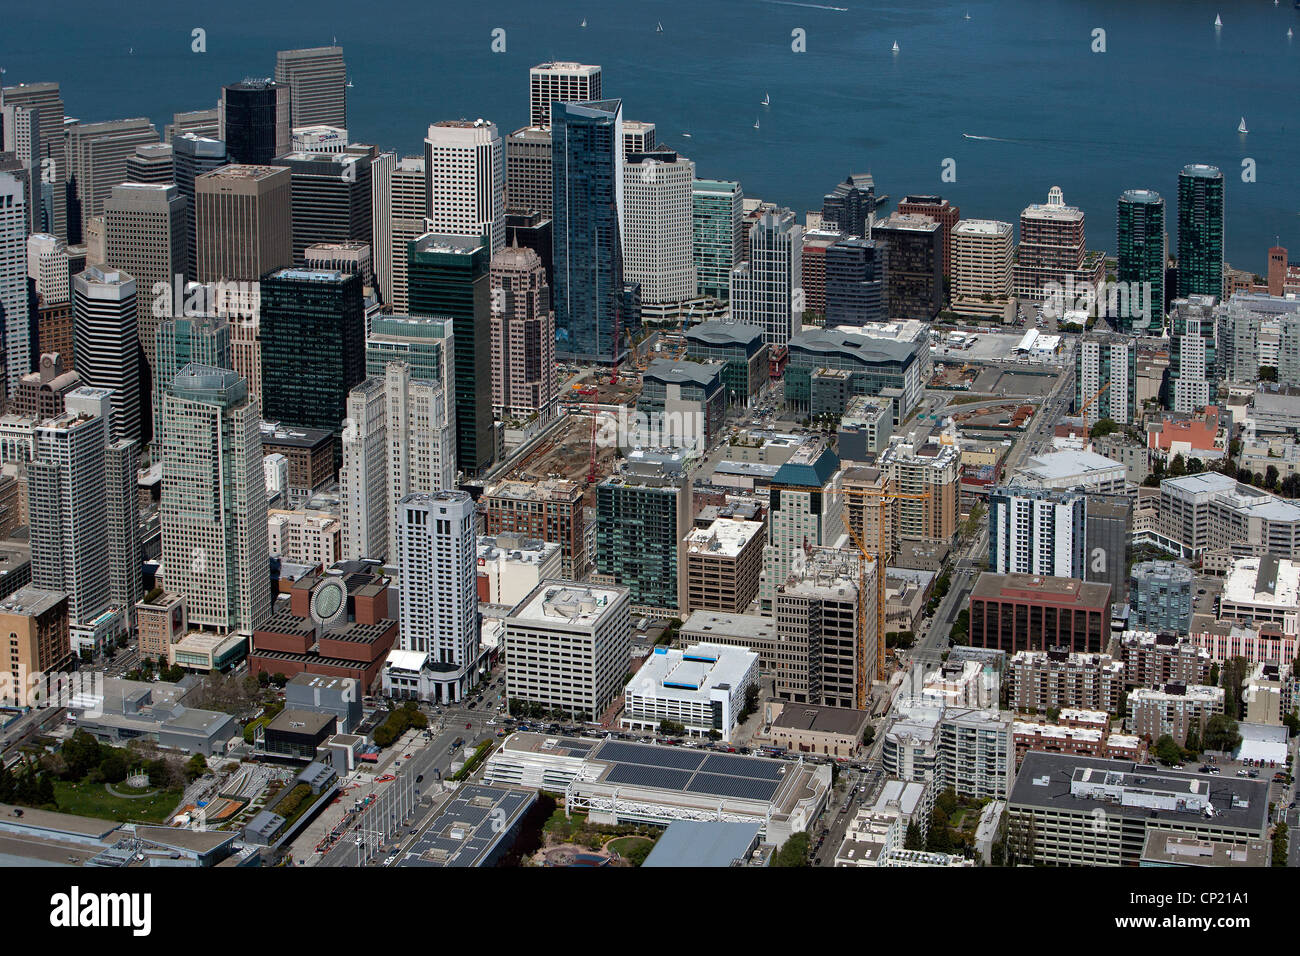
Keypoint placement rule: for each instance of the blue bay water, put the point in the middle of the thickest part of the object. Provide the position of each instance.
(1169, 89)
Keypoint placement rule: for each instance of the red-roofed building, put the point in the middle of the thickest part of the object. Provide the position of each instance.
(1203, 435)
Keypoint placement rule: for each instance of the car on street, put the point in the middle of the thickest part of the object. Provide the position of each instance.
(469, 726)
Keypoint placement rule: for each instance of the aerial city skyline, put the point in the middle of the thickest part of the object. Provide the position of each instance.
(541, 493)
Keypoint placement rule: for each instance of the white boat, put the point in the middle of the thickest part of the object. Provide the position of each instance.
(659, 26)
(687, 135)
(895, 46)
(967, 17)
(349, 84)
(1289, 33)
(583, 23)
(1241, 127)
(1218, 21)
(756, 123)
(767, 100)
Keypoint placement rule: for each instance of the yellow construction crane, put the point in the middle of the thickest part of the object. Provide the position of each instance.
(1085, 407)
(881, 559)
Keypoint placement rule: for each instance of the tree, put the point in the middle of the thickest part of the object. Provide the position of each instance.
(1280, 838)
(868, 735)
(1193, 744)
(1103, 427)
(1167, 750)
(794, 852)
(1221, 733)
(913, 840)
(1268, 373)
(195, 767)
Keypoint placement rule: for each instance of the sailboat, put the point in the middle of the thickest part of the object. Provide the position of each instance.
(1241, 127)
(1218, 21)
(967, 17)
(583, 23)
(349, 83)
(659, 26)
(767, 100)
(1289, 33)
(895, 46)
(755, 122)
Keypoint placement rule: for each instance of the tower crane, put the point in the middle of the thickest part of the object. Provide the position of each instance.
(1083, 410)
(881, 559)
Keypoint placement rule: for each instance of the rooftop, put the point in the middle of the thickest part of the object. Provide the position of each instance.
(697, 843)
(726, 537)
(569, 604)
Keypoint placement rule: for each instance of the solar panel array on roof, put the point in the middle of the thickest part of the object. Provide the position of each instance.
(686, 771)
(650, 756)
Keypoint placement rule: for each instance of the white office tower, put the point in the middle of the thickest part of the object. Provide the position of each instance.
(465, 171)
(421, 438)
(767, 290)
(144, 236)
(437, 560)
(381, 223)
(408, 204)
(214, 537)
(122, 509)
(22, 139)
(47, 267)
(1034, 531)
(16, 330)
(108, 346)
(658, 224)
(317, 79)
(560, 82)
(73, 487)
(363, 479)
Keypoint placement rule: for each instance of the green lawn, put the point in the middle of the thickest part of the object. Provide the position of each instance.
(92, 800)
(625, 846)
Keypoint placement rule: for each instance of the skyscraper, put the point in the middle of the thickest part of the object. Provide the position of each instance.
(1140, 254)
(108, 345)
(528, 170)
(317, 79)
(549, 83)
(243, 230)
(657, 226)
(1200, 231)
(313, 339)
(983, 251)
(363, 479)
(717, 212)
(192, 156)
(381, 223)
(16, 330)
(213, 517)
(806, 509)
(22, 140)
(408, 203)
(464, 164)
(180, 340)
(46, 101)
(1035, 531)
(97, 158)
(851, 206)
(144, 236)
(1052, 255)
(1106, 379)
(856, 282)
(448, 278)
(151, 164)
(587, 203)
(254, 121)
(1192, 382)
(421, 439)
(523, 337)
(914, 278)
(439, 617)
(763, 289)
(942, 212)
(330, 198)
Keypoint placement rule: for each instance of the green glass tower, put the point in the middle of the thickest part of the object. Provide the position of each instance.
(1140, 249)
(447, 277)
(1200, 231)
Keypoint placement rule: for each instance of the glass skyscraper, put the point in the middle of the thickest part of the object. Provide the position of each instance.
(447, 277)
(1200, 231)
(1140, 245)
(587, 202)
(313, 335)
